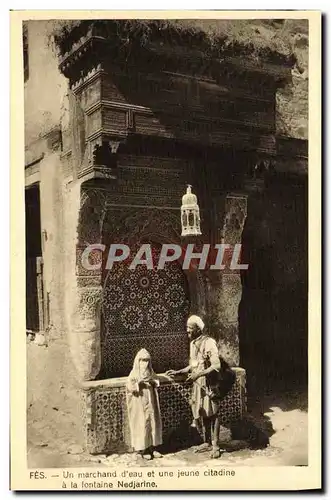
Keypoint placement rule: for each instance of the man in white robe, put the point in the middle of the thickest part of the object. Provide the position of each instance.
(204, 359)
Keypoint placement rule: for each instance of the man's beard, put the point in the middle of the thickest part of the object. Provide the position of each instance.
(195, 334)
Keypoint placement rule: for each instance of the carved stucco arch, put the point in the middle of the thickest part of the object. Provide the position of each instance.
(134, 227)
(101, 222)
(91, 215)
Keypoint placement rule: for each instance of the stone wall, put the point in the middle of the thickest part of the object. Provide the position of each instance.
(292, 101)
(52, 386)
(45, 88)
(53, 402)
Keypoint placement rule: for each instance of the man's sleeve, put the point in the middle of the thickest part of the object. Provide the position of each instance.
(212, 351)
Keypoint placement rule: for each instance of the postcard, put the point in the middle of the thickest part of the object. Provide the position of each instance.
(165, 239)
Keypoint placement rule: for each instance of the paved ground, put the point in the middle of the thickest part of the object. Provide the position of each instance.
(284, 418)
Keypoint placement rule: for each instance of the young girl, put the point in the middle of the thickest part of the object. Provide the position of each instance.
(143, 407)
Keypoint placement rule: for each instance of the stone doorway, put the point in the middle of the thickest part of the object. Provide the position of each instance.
(33, 259)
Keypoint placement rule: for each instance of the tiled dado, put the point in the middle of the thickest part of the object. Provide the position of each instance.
(105, 413)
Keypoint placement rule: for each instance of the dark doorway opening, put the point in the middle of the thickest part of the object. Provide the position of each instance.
(33, 257)
(273, 314)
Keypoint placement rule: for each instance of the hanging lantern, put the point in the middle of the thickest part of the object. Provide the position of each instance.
(190, 214)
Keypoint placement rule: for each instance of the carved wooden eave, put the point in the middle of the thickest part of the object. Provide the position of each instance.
(267, 72)
(82, 66)
(97, 172)
(225, 65)
(289, 164)
(99, 61)
(292, 147)
(96, 47)
(84, 55)
(100, 159)
(292, 156)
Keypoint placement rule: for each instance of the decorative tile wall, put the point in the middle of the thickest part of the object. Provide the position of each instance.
(106, 421)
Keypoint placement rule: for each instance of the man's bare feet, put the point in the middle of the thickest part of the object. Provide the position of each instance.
(203, 447)
(216, 452)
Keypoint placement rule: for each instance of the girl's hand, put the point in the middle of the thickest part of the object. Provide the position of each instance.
(146, 383)
(171, 373)
(193, 376)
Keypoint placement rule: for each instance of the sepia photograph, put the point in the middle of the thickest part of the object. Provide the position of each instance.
(166, 247)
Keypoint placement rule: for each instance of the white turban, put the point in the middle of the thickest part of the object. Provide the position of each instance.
(196, 320)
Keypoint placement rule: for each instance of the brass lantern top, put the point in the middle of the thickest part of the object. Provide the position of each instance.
(189, 199)
(190, 214)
